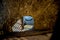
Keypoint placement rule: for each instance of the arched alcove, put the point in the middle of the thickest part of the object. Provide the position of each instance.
(24, 24)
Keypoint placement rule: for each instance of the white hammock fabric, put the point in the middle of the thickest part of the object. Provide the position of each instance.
(17, 27)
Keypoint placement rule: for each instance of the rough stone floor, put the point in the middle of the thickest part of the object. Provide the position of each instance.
(36, 37)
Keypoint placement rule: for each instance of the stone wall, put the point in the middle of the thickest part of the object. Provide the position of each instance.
(3, 15)
(43, 11)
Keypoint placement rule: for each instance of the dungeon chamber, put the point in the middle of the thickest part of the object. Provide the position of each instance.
(44, 13)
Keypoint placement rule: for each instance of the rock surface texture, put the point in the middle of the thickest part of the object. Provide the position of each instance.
(37, 37)
(44, 12)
